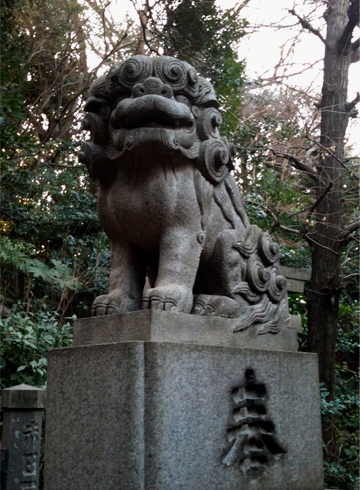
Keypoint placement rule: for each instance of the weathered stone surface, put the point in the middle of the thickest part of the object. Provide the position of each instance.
(295, 278)
(168, 203)
(21, 436)
(165, 326)
(295, 286)
(160, 416)
(295, 323)
(23, 396)
(301, 274)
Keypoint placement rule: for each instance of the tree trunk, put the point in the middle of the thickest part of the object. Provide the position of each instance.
(325, 239)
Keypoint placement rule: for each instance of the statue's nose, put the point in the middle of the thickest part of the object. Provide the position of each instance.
(152, 86)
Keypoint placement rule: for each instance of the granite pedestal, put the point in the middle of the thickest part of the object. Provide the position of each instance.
(180, 414)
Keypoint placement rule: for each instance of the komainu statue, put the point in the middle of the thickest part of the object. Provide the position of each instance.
(168, 203)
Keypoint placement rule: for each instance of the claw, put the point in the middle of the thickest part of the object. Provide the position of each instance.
(146, 302)
(171, 298)
(198, 310)
(200, 305)
(169, 305)
(112, 303)
(209, 310)
(157, 303)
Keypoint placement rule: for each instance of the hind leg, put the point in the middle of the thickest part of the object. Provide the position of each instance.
(211, 304)
(220, 278)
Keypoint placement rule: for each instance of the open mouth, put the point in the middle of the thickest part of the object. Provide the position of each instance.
(152, 112)
(159, 121)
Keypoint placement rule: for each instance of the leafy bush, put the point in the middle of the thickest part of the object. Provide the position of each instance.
(26, 338)
(343, 472)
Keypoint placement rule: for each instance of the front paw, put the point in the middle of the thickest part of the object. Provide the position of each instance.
(169, 298)
(112, 303)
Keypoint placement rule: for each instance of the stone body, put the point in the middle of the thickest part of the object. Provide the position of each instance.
(168, 203)
(181, 416)
(23, 406)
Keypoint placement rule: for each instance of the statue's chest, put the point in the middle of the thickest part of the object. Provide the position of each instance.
(161, 198)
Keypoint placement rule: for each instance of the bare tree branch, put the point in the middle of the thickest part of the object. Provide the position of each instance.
(65, 166)
(314, 206)
(349, 106)
(298, 164)
(353, 227)
(87, 85)
(320, 245)
(355, 51)
(306, 25)
(347, 234)
(145, 13)
(295, 162)
(344, 43)
(275, 218)
(331, 153)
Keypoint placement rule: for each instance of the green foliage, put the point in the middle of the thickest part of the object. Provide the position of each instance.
(343, 472)
(51, 235)
(26, 337)
(59, 275)
(12, 66)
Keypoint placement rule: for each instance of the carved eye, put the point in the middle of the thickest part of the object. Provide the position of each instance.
(183, 100)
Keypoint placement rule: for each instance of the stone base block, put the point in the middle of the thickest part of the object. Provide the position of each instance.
(165, 326)
(172, 416)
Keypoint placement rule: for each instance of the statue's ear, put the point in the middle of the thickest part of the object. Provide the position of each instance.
(214, 160)
(206, 96)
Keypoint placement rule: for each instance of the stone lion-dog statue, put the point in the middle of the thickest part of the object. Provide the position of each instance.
(179, 236)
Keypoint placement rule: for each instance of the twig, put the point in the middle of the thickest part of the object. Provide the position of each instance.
(349, 230)
(349, 275)
(275, 218)
(314, 206)
(87, 85)
(333, 155)
(66, 166)
(353, 227)
(306, 25)
(298, 164)
(320, 245)
(355, 53)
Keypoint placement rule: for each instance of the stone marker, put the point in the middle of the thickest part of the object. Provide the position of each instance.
(23, 406)
(295, 278)
(203, 389)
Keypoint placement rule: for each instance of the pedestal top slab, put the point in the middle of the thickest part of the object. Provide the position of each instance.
(163, 326)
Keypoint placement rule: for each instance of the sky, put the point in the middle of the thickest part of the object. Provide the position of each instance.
(262, 50)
